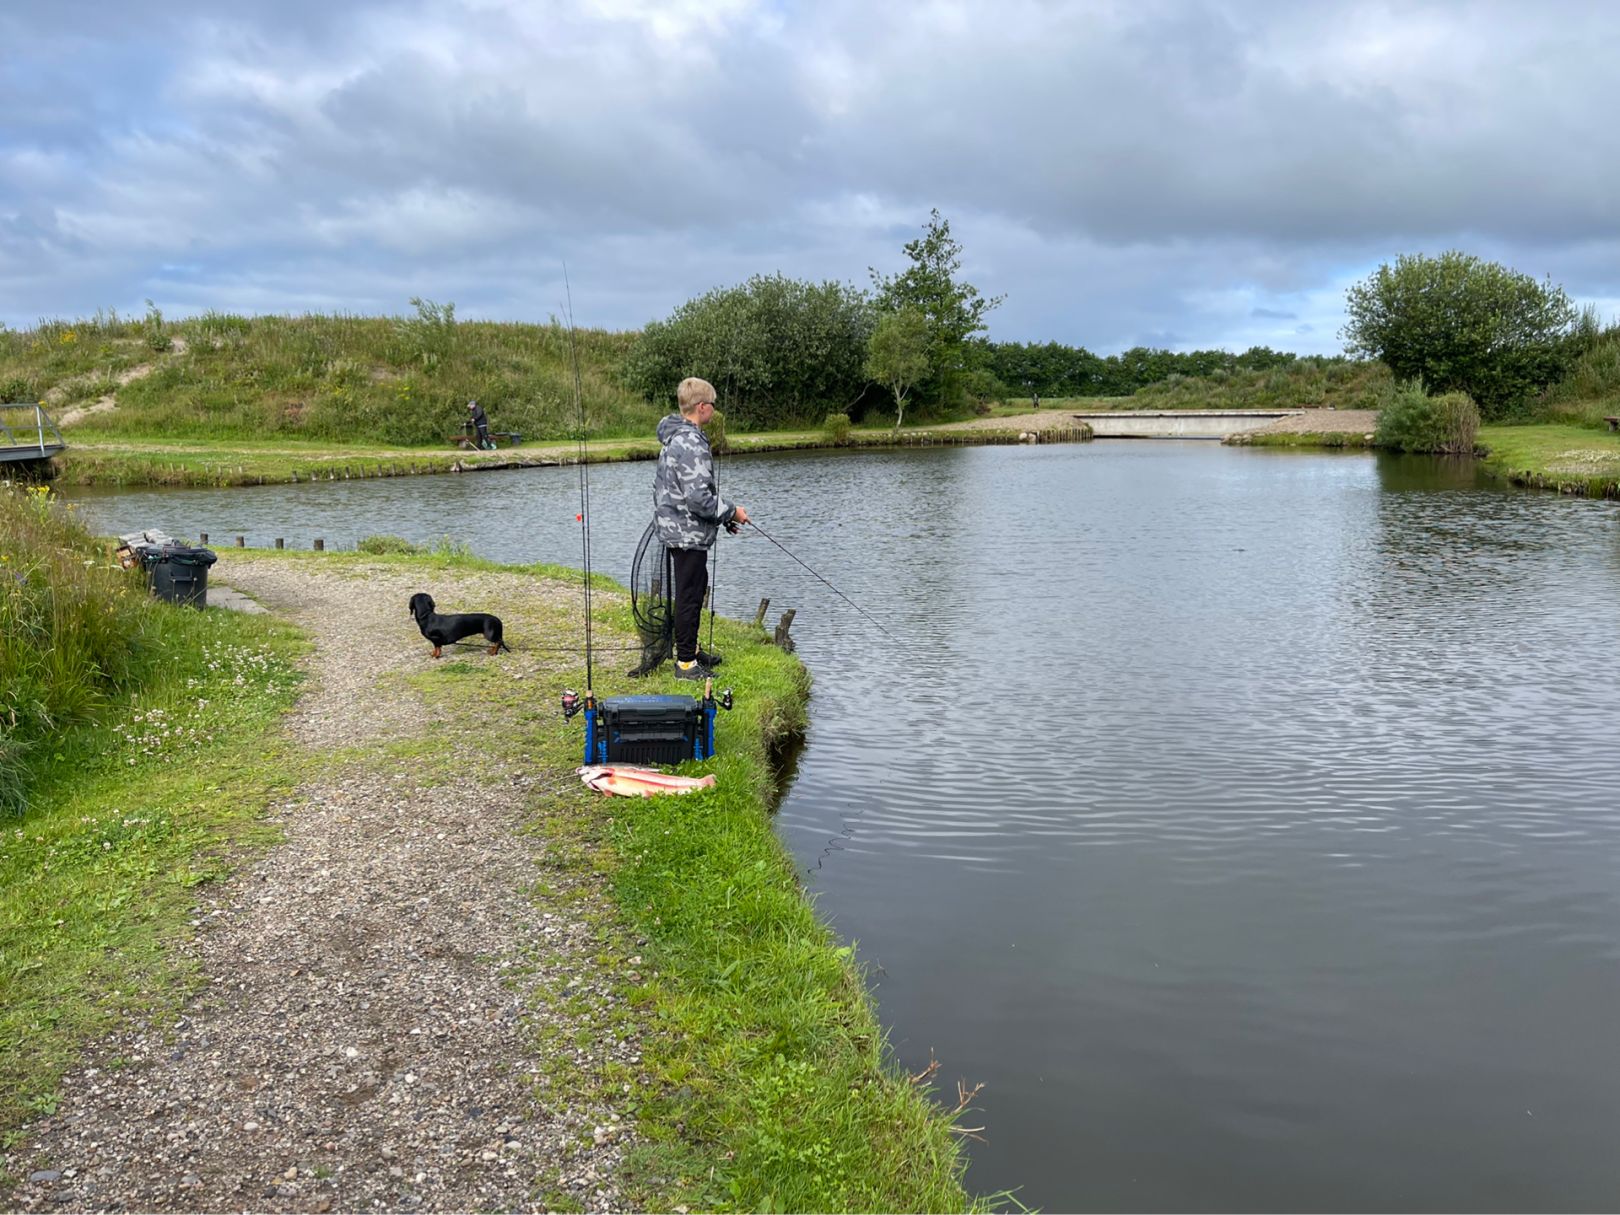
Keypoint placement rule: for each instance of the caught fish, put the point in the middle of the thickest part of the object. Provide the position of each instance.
(626, 780)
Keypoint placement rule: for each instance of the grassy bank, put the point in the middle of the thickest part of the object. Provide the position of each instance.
(1307, 383)
(139, 744)
(1334, 439)
(372, 381)
(763, 1082)
(1567, 459)
(221, 462)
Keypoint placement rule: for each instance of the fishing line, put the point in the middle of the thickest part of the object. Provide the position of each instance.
(823, 581)
(583, 451)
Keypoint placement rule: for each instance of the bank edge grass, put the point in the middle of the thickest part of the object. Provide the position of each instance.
(1333, 439)
(768, 1085)
(158, 795)
(204, 462)
(765, 1081)
(1566, 459)
(214, 464)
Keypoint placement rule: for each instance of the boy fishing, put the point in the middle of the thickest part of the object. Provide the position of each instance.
(688, 513)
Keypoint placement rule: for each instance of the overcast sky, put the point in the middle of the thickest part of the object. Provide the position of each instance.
(1177, 174)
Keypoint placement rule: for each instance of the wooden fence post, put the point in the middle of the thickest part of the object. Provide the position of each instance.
(782, 626)
(759, 616)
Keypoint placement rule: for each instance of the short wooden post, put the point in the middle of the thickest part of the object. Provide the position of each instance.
(280, 543)
(202, 537)
(782, 626)
(240, 541)
(759, 616)
(320, 545)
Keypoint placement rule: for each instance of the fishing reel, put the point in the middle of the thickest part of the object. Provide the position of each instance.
(572, 703)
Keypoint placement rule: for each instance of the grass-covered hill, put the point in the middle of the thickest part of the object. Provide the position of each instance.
(401, 380)
(1307, 383)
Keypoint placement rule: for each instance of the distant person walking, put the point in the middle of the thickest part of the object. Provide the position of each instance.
(480, 421)
(688, 514)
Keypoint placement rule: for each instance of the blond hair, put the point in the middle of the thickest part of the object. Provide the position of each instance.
(693, 392)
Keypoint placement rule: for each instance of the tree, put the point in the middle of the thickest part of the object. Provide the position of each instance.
(1462, 324)
(897, 357)
(952, 311)
(779, 351)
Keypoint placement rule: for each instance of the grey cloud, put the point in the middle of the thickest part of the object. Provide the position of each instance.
(1205, 173)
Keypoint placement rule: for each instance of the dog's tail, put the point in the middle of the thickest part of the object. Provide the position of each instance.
(504, 646)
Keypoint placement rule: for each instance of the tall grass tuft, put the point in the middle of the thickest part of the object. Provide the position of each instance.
(1416, 422)
(72, 624)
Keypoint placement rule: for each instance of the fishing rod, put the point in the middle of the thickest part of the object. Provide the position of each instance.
(583, 452)
(823, 581)
(731, 393)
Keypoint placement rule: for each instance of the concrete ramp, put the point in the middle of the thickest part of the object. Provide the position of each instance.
(1179, 423)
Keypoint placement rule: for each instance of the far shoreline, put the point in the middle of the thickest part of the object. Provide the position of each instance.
(1561, 459)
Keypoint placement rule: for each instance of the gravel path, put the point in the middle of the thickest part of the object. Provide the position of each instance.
(365, 1038)
(1313, 421)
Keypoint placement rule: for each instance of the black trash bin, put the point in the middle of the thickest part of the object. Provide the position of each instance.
(178, 573)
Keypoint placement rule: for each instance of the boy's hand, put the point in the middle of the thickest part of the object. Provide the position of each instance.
(740, 517)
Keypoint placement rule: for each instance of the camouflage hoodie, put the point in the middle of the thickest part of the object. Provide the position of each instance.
(687, 508)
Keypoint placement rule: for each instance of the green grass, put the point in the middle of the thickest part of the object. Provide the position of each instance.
(765, 1082)
(1292, 438)
(220, 462)
(77, 632)
(1568, 459)
(338, 379)
(127, 814)
(1306, 383)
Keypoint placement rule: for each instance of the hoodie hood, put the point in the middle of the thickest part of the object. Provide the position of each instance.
(671, 426)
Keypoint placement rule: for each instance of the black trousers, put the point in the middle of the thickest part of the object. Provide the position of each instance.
(691, 581)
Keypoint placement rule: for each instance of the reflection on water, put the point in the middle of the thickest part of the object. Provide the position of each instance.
(1245, 820)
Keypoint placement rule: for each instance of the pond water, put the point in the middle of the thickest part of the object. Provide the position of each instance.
(1248, 822)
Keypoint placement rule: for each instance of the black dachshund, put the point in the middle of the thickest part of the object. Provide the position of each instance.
(447, 630)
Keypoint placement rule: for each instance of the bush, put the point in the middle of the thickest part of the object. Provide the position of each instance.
(836, 428)
(982, 388)
(17, 390)
(1466, 325)
(1591, 390)
(1413, 421)
(780, 352)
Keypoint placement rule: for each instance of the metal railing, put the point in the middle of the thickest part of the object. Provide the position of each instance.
(41, 422)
